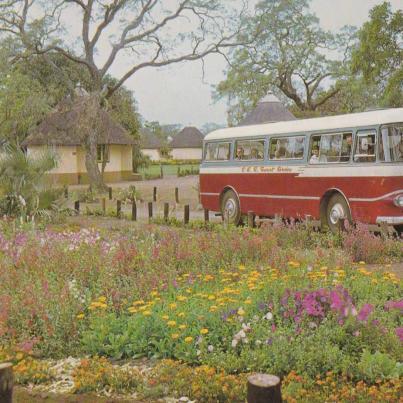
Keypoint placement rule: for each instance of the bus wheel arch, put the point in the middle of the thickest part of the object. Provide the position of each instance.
(229, 201)
(334, 209)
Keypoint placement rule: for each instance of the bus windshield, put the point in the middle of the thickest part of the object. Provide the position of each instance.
(391, 143)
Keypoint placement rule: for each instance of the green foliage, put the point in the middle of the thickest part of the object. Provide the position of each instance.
(378, 366)
(378, 54)
(22, 181)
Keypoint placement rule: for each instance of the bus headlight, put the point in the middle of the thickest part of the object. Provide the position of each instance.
(398, 201)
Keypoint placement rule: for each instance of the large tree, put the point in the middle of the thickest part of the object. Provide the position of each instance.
(291, 55)
(378, 55)
(142, 33)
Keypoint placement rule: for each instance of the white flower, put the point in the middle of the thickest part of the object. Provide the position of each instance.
(258, 342)
(210, 348)
(268, 316)
(312, 325)
(234, 343)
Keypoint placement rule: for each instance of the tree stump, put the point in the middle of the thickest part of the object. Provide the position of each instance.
(251, 219)
(263, 388)
(6, 382)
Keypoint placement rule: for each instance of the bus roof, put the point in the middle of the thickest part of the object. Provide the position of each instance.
(363, 119)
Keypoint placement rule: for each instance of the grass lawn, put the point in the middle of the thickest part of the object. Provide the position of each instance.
(154, 170)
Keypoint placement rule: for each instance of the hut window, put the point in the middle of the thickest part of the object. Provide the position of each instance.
(102, 153)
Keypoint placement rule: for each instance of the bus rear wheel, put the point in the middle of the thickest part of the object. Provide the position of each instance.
(230, 207)
(337, 212)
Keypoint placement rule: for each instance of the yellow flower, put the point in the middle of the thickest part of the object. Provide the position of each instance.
(103, 306)
(182, 327)
(154, 293)
(171, 323)
(248, 301)
(242, 267)
(181, 314)
(211, 297)
(241, 312)
(132, 309)
(165, 317)
(361, 262)
(80, 316)
(173, 305)
(182, 298)
(139, 302)
(147, 313)
(213, 308)
(188, 339)
(175, 336)
(204, 331)
(102, 299)
(19, 356)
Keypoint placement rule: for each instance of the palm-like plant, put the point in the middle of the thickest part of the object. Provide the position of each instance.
(22, 179)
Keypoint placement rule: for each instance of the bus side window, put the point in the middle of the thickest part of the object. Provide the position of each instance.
(365, 148)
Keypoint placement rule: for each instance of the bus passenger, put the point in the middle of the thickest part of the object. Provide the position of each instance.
(240, 153)
(315, 156)
(346, 148)
(254, 155)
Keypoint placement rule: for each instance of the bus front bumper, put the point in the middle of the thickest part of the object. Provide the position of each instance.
(390, 220)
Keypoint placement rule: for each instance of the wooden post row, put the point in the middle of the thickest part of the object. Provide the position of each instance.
(150, 211)
(186, 214)
(110, 193)
(134, 210)
(166, 211)
(6, 382)
(66, 192)
(155, 194)
(118, 208)
(176, 195)
(263, 388)
(103, 205)
(206, 215)
(77, 206)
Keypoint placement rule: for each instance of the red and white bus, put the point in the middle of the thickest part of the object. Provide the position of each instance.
(330, 169)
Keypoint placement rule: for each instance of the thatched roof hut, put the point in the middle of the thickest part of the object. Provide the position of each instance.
(269, 109)
(188, 137)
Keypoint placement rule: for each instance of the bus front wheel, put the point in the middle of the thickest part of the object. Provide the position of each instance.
(230, 207)
(337, 211)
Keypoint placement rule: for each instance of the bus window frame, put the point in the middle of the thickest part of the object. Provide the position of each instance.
(379, 133)
(361, 133)
(350, 131)
(230, 142)
(279, 137)
(236, 140)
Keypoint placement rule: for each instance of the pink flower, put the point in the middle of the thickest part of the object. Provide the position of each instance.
(399, 333)
(365, 311)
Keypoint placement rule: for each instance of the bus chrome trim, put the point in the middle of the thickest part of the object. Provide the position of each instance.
(279, 196)
(373, 199)
(389, 220)
(209, 194)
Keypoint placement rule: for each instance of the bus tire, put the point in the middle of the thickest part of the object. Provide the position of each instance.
(336, 212)
(230, 204)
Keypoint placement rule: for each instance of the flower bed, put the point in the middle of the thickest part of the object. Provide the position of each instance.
(221, 303)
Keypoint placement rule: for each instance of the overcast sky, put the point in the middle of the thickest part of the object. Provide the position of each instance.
(177, 94)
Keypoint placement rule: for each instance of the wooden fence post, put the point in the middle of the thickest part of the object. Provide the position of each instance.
(110, 192)
(66, 192)
(134, 210)
(161, 171)
(178, 173)
(251, 219)
(118, 208)
(176, 195)
(6, 382)
(206, 215)
(150, 211)
(166, 211)
(77, 206)
(186, 214)
(226, 218)
(155, 194)
(103, 205)
(263, 388)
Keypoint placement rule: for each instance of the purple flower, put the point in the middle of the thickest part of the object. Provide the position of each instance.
(399, 333)
(365, 311)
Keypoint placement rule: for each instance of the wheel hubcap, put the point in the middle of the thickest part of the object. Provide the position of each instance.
(230, 207)
(337, 213)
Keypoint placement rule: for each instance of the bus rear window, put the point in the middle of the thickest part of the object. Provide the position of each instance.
(217, 152)
(391, 143)
(285, 148)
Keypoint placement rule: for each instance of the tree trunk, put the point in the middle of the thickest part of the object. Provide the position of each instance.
(91, 163)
